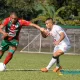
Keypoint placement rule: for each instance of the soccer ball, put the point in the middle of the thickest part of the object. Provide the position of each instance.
(2, 67)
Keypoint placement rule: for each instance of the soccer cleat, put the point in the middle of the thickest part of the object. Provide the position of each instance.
(57, 69)
(44, 70)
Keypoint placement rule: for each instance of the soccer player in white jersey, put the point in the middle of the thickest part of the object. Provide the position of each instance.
(60, 41)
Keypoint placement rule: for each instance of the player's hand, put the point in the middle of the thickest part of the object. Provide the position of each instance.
(42, 29)
(4, 35)
(46, 32)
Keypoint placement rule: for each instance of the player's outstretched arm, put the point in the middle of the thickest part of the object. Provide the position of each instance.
(3, 32)
(36, 26)
(44, 32)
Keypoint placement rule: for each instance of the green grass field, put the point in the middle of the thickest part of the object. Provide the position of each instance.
(38, 61)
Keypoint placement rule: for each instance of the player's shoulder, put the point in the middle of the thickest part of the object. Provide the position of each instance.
(24, 22)
(7, 19)
(57, 26)
(21, 20)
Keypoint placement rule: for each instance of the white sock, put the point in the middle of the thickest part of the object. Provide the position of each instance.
(53, 60)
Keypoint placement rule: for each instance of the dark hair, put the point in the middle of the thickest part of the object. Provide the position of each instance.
(14, 12)
(51, 19)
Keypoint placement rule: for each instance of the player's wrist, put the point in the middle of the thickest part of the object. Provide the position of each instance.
(42, 30)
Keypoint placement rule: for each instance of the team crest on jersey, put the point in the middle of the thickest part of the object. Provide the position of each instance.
(16, 26)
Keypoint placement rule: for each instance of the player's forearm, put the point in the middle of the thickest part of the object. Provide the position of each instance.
(62, 36)
(3, 32)
(36, 26)
(1, 29)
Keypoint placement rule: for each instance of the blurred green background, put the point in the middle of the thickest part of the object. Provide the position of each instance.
(66, 12)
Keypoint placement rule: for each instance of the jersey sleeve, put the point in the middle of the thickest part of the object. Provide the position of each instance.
(24, 23)
(5, 21)
(59, 29)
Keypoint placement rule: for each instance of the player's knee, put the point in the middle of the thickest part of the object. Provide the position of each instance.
(55, 55)
(58, 53)
(11, 51)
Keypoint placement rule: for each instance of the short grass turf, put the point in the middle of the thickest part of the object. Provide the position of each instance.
(38, 61)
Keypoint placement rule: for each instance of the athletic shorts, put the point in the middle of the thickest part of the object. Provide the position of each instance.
(5, 44)
(64, 48)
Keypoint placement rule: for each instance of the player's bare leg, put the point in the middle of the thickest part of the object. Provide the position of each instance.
(1, 54)
(57, 65)
(53, 61)
(10, 55)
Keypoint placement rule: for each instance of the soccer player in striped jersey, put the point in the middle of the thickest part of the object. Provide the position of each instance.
(10, 41)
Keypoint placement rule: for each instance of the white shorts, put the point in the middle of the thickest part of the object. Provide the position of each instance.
(64, 48)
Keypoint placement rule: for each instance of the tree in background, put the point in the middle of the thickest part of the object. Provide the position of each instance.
(61, 10)
(48, 10)
(23, 7)
(2, 9)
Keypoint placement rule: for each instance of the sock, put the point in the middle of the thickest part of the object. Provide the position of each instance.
(8, 58)
(57, 63)
(53, 60)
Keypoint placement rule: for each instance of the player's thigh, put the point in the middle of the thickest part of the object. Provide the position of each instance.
(58, 53)
(14, 43)
(60, 49)
(4, 45)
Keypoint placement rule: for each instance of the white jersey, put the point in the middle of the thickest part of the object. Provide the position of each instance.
(55, 33)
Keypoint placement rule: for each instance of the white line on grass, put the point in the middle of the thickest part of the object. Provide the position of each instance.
(39, 69)
(22, 69)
